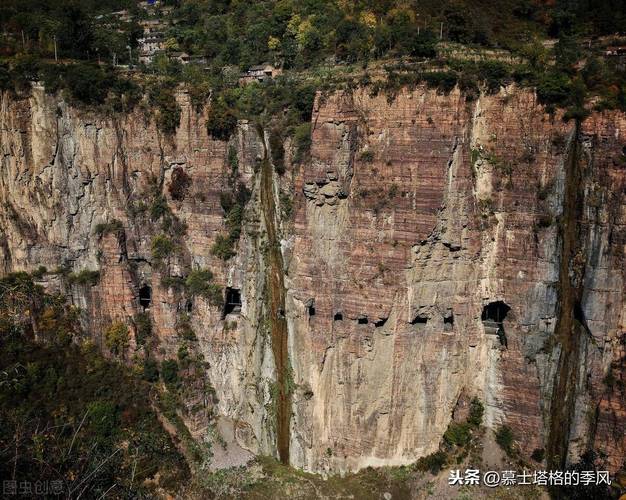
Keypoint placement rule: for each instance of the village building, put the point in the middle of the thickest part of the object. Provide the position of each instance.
(259, 73)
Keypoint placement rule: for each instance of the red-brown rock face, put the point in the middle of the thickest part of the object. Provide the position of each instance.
(416, 219)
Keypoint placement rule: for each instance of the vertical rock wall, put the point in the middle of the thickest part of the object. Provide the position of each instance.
(412, 215)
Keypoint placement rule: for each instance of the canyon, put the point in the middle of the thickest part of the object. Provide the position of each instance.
(429, 250)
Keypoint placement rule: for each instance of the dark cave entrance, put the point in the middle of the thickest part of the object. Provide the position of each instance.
(145, 297)
(338, 316)
(495, 311)
(362, 320)
(419, 320)
(232, 304)
(493, 316)
(448, 322)
(380, 322)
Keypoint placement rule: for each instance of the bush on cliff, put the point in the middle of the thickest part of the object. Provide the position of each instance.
(84, 277)
(200, 282)
(161, 96)
(505, 438)
(222, 120)
(116, 338)
(162, 247)
(143, 326)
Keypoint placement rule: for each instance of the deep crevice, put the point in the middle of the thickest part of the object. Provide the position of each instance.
(275, 308)
(568, 327)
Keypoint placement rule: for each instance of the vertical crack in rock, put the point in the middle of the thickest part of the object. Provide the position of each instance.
(275, 301)
(568, 330)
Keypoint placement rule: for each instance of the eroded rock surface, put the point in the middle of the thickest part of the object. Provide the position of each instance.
(411, 216)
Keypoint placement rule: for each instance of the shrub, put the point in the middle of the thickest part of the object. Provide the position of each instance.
(234, 219)
(88, 83)
(442, 80)
(150, 370)
(162, 97)
(233, 206)
(5, 77)
(199, 282)
(504, 438)
(143, 325)
(553, 88)
(458, 434)
(169, 371)
(222, 120)
(277, 150)
(105, 228)
(233, 160)
(286, 205)
(158, 207)
(179, 185)
(422, 45)
(367, 156)
(494, 74)
(302, 141)
(184, 328)
(222, 247)
(162, 247)
(116, 338)
(84, 277)
(433, 462)
(476, 411)
(39, 272)
(103, 418)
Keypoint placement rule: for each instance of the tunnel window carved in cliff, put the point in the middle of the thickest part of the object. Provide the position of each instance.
(493, 317)
(145, 297)
(338, 316)
(448, 322)
(232, 304)
(419, 320)
(362, 320)
(495, 311)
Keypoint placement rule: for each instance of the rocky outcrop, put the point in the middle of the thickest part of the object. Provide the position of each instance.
(416, 220)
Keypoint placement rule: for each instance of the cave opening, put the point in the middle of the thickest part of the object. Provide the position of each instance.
(419, 320)
(232, 304)
(338, 316)
(311, 310)
(380, 322)
(145, 297)
(495, 311)
(362, 320)
(448, 322)
(493, 316)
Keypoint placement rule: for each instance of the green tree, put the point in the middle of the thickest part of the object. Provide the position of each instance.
(116, 338)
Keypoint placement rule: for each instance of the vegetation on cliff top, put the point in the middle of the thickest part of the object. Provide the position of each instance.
(323, 44)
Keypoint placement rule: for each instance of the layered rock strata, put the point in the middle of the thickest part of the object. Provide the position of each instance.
(418, 221)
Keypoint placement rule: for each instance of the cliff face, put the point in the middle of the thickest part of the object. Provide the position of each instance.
(418, 224)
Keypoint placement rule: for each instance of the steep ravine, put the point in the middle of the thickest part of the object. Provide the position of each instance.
(275, 312)
(568, 330)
